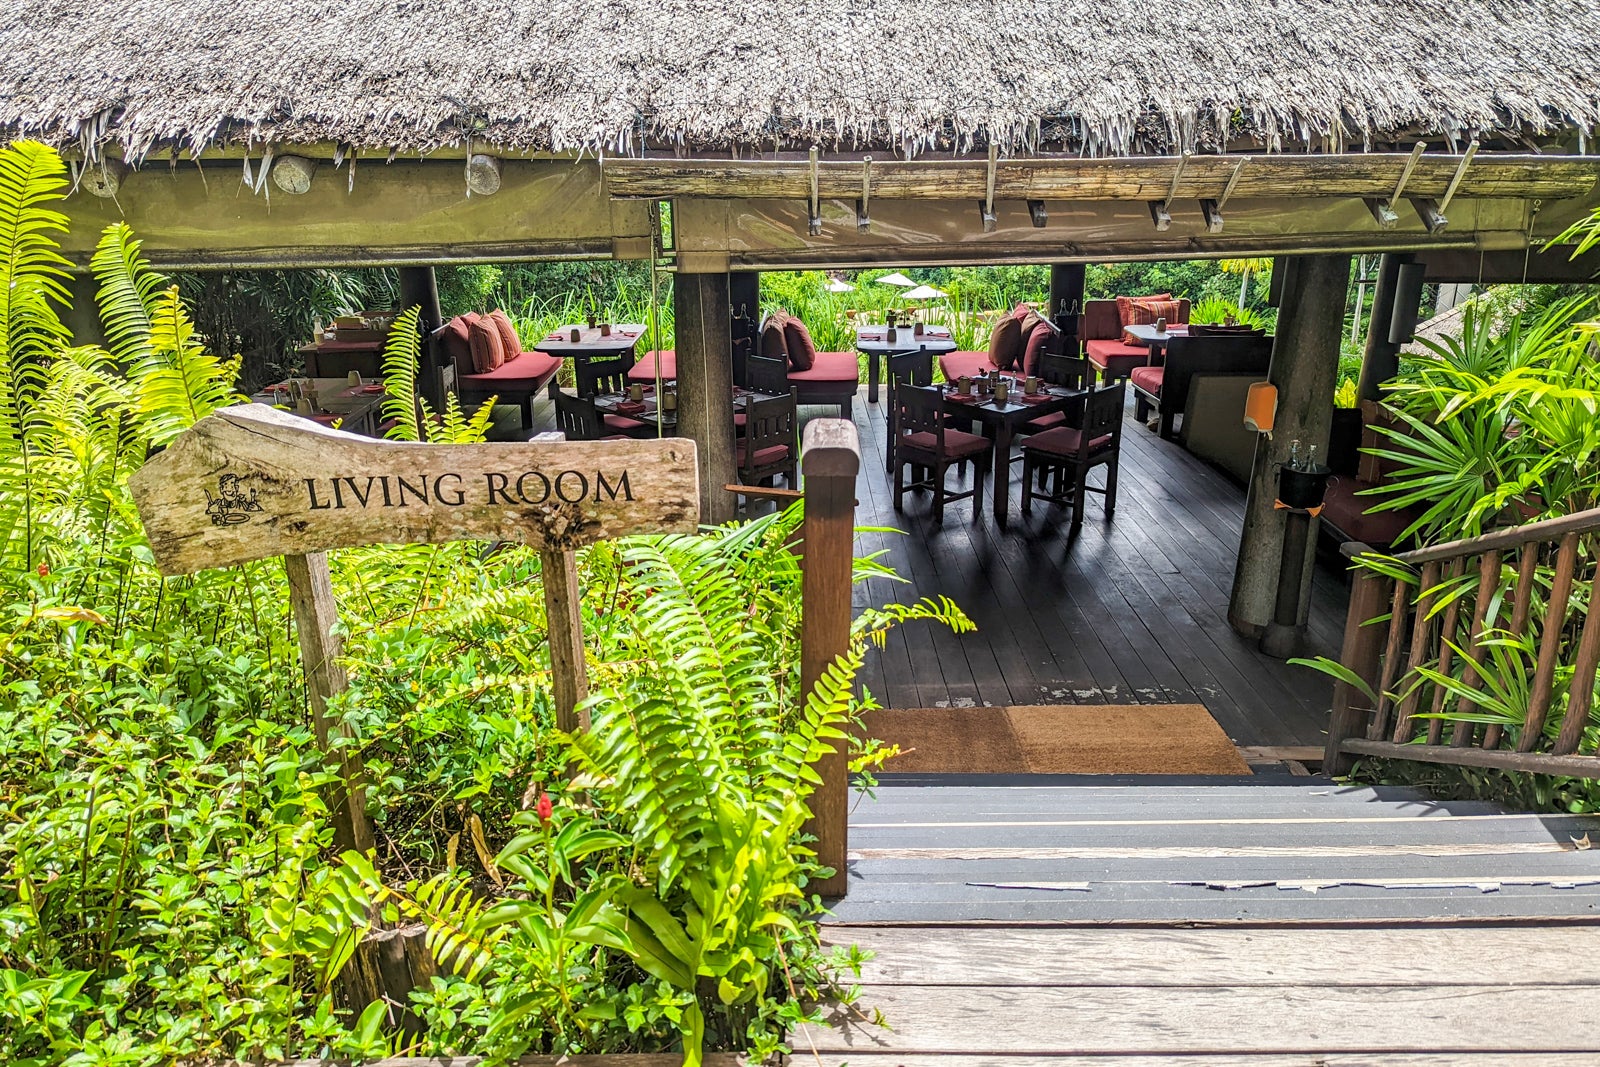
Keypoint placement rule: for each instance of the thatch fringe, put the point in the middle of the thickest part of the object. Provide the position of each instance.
(1101, 77)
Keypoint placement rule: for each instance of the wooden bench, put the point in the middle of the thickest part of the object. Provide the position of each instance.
(1165, 388)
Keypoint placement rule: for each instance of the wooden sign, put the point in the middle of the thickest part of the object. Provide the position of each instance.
(250, 482)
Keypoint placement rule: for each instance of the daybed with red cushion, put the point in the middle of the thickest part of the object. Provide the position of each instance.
(1103, 341)
(489, 360)
(816, 377)
(1166, 388)
(644, 371)
(1015, 344)
(1346, 513)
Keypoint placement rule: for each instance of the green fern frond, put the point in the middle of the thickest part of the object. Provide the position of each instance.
(402, 356)
(128, 293)
(179, 383)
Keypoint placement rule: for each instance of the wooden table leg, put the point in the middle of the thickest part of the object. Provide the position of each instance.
(874, 371)
(1002, 471)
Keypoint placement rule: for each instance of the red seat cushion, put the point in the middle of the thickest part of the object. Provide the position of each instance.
(623, 424)
(1046, 422)
(645, 369)
(830, 367)
(525, 370)
(955, 365)
(797, 339)
(488, 350)
(1063, 441)
(763, 457)
(957, 443)
(1101, 353)
(1350, 513)
(1147, 378)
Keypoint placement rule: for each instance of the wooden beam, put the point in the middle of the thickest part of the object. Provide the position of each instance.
(1147, 178)
(1381, 359)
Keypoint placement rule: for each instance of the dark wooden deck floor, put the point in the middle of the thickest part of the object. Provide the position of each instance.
(1134, 611)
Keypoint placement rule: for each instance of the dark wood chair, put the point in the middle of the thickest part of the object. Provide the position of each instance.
(1068, 372)
(577, 418)
(770, 445)
(926, 443)
(909, 368)
(591, 377)
(769, 377)
(1066, 455)
(1166, 388)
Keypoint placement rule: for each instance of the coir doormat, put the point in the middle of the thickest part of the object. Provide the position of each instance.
(1057, 739)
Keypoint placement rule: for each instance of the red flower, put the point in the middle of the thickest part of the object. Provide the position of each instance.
(544, 808)
(44, 570)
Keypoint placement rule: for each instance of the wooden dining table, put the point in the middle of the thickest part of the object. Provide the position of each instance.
(591, 343)
(1001, 420)
(875, 343)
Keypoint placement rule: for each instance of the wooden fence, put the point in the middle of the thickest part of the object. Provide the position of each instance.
(1494, 623)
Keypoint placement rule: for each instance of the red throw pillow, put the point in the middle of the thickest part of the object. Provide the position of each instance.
(774, 343)
(510, 343)
(457, 345)
(1124, 303)
(1037, 343)
(1145, 311)
(1005, 343)
(488, 351)
(797, 339)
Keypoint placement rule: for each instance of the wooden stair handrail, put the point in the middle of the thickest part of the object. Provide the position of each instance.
(1579, 522)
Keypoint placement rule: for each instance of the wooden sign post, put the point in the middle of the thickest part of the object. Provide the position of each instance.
(251, 482)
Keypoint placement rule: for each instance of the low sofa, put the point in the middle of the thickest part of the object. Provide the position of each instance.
(1101, 329)
(815, 377)
(1015, 344)
(1346, 513)
(644, 370)
(1165, 388)
(490, 361)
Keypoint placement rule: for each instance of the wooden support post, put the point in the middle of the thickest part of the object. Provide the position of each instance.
(1381, 360)
(1066, 287)
(1305, 362)
(744, 297)
(420, 288)
(311, 595)
(569, 673)
(705, 384)
(82, 316)
(830, 459)
(1363, 645)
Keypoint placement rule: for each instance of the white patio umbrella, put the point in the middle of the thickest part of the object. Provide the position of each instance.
(924, 292)
(839, 285)
(897, 279)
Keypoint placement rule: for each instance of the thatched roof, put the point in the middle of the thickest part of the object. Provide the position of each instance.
(1092, 76)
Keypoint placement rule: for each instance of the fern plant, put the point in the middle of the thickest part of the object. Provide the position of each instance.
(410, 416)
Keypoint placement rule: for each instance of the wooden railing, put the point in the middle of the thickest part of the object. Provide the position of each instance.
(1450, 618)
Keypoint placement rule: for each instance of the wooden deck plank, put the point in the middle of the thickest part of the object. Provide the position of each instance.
(1085, 1020)
(1320, 958)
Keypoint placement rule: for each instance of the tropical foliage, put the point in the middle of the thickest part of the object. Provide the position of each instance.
(170, 893)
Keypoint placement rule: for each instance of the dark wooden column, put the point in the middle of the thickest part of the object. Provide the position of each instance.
(419, 288)
(1381, 360)
(744, 301)
(705, 384)
(1305, 362)
(1066, 284)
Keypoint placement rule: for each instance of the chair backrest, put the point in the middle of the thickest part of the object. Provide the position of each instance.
(1214, 354)
(767, 376)
(919, 408)
(1102, 413)
(912, 368)
(769, 421)
(595, 376)
(1067, 371)
(1238, 329)
(576, 417)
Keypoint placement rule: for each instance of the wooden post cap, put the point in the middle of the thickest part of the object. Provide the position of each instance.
(830, 448)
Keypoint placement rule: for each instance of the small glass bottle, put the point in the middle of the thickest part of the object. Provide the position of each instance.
(1294, 463)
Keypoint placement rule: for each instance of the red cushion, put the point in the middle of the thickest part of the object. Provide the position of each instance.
(1063, 441)
(1005, 343)
(830, 367)
(1101, 353)
(528, 370)
(645, 369)
(508, 333)
(763, 457)
(1147, 378)
(488, 350)
(797, 339)
(957, 443)
(622, 423)
(1145, 312)
(954, 365)
(1045, 422)
(1039, 340)
(457, 343)
(1344, 508)
(774, 345)
(1125, 305)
